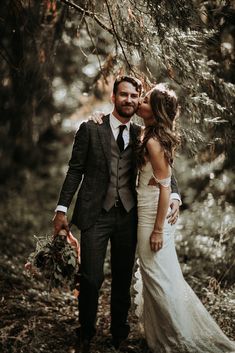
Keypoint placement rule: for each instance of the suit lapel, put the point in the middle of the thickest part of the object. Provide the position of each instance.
(134, 133)
(105, 131)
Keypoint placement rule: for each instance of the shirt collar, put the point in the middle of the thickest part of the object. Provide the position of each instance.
(115, 123)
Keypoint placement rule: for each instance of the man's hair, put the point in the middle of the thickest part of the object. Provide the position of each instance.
(134, 81)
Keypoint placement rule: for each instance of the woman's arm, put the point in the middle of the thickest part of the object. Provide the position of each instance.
(161, 170)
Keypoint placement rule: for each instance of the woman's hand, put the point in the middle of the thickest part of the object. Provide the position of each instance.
(156, 240)
(97, 117)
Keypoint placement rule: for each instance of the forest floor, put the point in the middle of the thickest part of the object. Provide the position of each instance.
(34, 320)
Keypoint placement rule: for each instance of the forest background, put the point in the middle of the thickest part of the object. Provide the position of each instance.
(58, 61)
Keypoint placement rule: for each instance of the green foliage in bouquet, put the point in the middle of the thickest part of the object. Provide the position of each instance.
(57, 260)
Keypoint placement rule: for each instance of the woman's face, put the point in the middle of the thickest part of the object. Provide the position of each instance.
(144, 110)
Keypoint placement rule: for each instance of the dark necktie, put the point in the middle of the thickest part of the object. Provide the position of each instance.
(120, 140)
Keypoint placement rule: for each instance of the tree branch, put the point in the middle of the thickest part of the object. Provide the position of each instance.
(93, 43)
(117, 37)
(96, 18)
(87, 13)
(7, 58)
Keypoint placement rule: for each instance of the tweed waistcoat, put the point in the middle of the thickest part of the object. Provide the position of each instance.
(121, 177)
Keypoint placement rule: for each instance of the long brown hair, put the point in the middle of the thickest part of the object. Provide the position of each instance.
(165, 107)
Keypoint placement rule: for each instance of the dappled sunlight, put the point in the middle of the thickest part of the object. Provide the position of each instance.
(58, 64)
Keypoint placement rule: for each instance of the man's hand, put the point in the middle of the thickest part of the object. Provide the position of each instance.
(174, 213)
(156, 240)
(60, 222)
(97, 117)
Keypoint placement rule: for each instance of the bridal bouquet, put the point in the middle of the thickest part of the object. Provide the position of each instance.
(57, 259)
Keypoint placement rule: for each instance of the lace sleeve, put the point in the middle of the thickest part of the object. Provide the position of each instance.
(164, 182)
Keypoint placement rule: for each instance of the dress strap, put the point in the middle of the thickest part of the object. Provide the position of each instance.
(164, 182)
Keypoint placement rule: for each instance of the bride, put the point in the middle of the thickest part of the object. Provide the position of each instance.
(174, 319)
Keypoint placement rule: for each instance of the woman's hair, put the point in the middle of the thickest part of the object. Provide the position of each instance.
(165, 107)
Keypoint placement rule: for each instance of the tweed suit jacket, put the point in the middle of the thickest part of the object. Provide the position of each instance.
(89, 170)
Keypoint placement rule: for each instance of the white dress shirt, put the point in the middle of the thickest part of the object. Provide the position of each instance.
(115, 123)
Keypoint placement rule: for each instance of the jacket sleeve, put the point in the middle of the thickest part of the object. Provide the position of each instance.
(76, 166)
(174, 185)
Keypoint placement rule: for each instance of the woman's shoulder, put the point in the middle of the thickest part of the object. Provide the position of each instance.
(154, 144)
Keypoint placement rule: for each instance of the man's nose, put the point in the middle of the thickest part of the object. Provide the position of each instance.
(128, 98)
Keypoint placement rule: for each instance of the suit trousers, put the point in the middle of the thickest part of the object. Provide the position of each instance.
(120, 227)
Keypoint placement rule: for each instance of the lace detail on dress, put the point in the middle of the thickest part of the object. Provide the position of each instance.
(164, 182)
(138, 296)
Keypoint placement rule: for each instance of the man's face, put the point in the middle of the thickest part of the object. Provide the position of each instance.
(126, 100)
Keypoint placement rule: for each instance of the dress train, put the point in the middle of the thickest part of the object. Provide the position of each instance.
(173, 317)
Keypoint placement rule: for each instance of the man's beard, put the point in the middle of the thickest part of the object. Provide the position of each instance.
(125, 114)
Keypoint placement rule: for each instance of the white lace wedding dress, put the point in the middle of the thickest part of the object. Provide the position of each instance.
(174, 319)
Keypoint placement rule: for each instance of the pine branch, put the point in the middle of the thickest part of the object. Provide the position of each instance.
(98, 21)
(117, 37)
(88, 14)
(93, 43)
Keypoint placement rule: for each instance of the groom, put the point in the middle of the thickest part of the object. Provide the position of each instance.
(103, 166)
